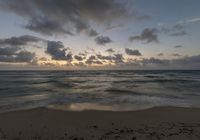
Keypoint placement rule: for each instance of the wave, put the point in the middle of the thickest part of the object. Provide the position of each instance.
(115, 91)
(145, 88)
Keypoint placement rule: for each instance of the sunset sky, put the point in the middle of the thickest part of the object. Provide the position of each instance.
(99, 34)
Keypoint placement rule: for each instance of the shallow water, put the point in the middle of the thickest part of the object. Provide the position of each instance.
(117, 90)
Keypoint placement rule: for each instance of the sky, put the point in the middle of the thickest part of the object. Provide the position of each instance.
(99, 34)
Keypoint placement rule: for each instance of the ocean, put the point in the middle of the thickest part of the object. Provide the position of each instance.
(100, 89)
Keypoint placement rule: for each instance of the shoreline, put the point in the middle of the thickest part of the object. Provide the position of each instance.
(50, 124)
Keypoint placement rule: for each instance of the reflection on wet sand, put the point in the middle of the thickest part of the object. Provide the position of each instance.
(95, 106)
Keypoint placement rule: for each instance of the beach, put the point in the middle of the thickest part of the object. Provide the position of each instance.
(159, 123)
(99, 70)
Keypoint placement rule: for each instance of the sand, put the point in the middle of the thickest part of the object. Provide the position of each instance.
(163, 123)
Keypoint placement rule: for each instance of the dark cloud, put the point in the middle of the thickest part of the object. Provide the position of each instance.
(116, 58)
(57, 51)
(68, 16)
(9, 50)
(43, 59)
(25, 56)
(20, 57)
(132, 52)
(93, 60)
(110, 50)
(145, 63)
(91, 33)
(102, 57)
(178, 27)
(90, 51)
(83, 54)
(84, 28)
(79, 64)
(102, 40)
(181, 33)
(19, 41)
(148, 35)
(79, 58)
(92, 57)
(176, 30)
(154, 61)
(48, 64)
(112, 27)
(161, 54)
(69, 57)
(46, 26)
(192, 62)
(14, 49)
(178, 46)
(176, 54)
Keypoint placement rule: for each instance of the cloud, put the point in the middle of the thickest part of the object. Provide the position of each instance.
(112, 27)
(146, 63)
(181, 33)
(52, 17)
(80, 64)
(9, 50)
(14, 49)
(25, 56)
(110, 50)
(108, 58)
(93, 60)
(100, 59)
(43, 59)
(20, 57)
(132, 52)
(116, 58)
(176, 30)
(19, 41)
(91, 33)
(148, 35)
(153, 62)
(192, 62)
(194, 20)
(79, 58)
(46, 26)
(69, 57)
(102, 40)
(178, 27)
(178, 46)
(57, 51)
(83, 54)
(161, 54)
(84, 28)
(190, 21)
(176, 55)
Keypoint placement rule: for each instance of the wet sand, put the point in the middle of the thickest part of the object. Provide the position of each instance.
(163, 123)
